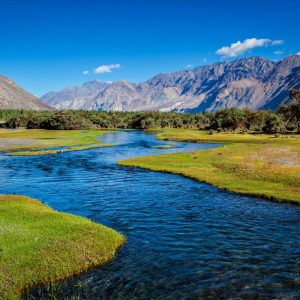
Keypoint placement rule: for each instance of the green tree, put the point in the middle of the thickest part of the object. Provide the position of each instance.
(273, 123)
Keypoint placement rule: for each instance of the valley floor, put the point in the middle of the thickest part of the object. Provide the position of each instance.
(253, 164)
(47, 245)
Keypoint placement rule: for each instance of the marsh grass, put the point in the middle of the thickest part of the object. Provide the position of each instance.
(40, 245)
(257, 165)
(33, 142)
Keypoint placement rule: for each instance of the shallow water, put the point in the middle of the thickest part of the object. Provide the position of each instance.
(185, 240)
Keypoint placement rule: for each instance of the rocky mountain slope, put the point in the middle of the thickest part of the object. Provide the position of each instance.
(12, 96)
(253, 82)
(78, 97)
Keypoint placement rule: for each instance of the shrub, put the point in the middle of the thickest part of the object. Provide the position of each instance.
(273, 123)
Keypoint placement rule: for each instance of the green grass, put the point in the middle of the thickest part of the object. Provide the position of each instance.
(39, 245)
(195, 135)
(257, 165)
(33, 142)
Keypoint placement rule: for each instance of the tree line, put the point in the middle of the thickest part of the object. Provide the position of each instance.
(285, 119)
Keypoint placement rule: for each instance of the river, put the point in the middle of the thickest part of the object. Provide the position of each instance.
(185, 239)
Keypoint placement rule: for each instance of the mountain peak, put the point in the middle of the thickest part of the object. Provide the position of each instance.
(293, 59)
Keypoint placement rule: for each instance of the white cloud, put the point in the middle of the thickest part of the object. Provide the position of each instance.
(278, 52)
(85, 72)
(238, 48)
(204, 60)
(106, 68)
(277, 42)
(298, 53)
(189, 66)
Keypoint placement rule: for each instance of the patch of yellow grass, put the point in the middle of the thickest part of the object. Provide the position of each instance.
(51, 152)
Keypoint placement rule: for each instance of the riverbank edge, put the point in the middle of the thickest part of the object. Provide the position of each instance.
(77, 144)
(271, 198)
(140, 162)
(79, 265)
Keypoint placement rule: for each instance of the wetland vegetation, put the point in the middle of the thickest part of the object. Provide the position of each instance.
(259, 155)
(182, 237)
(40, 245)
(116, 196)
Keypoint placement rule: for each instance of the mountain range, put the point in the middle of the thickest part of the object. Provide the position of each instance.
(254, 82)
(14, 97)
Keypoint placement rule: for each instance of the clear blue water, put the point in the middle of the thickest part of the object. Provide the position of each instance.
(185, 240)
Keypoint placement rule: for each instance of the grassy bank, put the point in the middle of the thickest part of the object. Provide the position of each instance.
(40, 245)
(260, 165)
(33, 142)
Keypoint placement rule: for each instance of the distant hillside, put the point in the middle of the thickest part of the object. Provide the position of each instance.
(12, 96)
(253, 82)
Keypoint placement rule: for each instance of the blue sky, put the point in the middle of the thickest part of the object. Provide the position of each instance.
(47, 45)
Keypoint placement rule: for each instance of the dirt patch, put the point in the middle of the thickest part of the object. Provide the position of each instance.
(282, 156)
